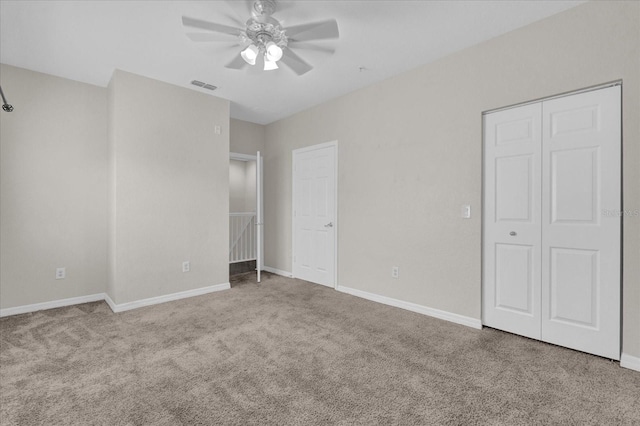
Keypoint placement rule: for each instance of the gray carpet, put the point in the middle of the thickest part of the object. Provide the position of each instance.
(290, 352)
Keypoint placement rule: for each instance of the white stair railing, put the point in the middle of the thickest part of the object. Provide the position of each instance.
(242, 237)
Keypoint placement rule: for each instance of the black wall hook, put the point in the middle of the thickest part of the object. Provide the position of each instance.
(5, 105)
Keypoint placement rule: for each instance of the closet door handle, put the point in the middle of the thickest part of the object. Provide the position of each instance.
(513, 233)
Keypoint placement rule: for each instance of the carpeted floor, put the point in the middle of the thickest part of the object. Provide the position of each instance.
(290, 352)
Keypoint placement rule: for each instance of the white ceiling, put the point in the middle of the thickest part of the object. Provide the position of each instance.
(87, 40)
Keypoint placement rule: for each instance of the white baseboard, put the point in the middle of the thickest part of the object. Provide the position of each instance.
(109, 301)
(50, 305)
(114, 307)
(165, 298)
(277, 271)
(630, 362)
(436, 313)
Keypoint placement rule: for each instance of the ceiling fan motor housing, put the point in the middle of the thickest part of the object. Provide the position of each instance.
(264, 29)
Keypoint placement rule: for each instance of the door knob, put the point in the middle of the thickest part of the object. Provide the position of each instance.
(513, 233)
(329, 225)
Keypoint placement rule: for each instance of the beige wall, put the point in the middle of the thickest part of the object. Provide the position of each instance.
(410, 154)
(169, 182)
(242, 186)
(237, 172)
(250, 186)
(246, 138)
(53, 183)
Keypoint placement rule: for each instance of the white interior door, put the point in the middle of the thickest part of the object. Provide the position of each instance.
(511, 233)
(581, 145)
(551, 229)
(314, 213)
(259, 216)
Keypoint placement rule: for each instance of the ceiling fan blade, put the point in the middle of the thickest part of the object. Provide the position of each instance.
(322, 30)
(243, 9)
(237, 63)
(314, 47)
(211, 26)
(295, 62)
(234, 19)
(240, 9)
(207, 37)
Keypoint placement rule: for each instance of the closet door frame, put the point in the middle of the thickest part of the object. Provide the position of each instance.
(614, 348)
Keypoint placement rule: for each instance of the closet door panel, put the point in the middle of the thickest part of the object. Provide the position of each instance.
(581, 151)
(511, 228)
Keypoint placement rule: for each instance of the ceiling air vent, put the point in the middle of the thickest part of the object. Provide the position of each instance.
(203, 85)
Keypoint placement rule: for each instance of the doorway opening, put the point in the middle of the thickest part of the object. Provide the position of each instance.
(245, 214)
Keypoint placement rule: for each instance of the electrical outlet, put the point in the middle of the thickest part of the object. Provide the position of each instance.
(217, 130)
(395, 272)
(61, 273)
(186, 266)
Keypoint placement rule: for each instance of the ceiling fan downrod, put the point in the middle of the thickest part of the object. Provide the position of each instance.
(264, 7)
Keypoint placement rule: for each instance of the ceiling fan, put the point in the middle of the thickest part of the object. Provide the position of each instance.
(265, 41)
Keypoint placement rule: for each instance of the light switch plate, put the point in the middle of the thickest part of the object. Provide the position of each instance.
(466, 211)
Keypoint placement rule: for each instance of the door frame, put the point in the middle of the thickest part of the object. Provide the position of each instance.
(550, 97)
(483, 183)
(241, 157)
(294, 153)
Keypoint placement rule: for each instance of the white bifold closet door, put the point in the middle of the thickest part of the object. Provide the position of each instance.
(551, 236)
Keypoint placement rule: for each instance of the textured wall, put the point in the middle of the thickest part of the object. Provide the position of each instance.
(169, 183)
(246, 138)
(242, 186)
(410, 154)
(53, 183)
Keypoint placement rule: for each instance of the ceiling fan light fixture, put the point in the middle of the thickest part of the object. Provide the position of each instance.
(250, 54)
(263, 38)
(273, 52)
(269, 65)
